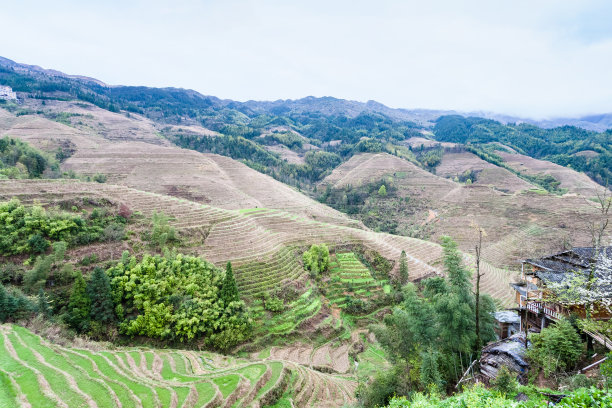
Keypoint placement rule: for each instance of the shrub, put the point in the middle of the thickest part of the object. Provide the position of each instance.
(505, 382)
(161, 233)
(32, 229)
(273, 304)
(100, 178)
(114, 232)
(556, 348)
(316, 259)
(38, 244)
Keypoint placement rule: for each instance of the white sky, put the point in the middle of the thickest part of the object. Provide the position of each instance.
(529, 58)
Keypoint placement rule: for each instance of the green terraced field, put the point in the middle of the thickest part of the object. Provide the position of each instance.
(348, 276)
(36, 373)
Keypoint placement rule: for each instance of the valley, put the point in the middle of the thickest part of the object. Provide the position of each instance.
(263, 254)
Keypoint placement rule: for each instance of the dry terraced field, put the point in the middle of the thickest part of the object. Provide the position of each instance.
(262, 244)
(519, 225)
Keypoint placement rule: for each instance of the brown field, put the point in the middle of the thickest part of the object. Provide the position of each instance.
(263, 244)
(286, 154)
(518, 225)
(417, 142)
(574, 181)
(130, 156)
(488, 174)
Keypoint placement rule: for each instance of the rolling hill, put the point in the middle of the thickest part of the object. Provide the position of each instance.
(517, 222)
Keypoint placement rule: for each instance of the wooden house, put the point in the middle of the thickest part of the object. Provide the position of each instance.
(541, 277)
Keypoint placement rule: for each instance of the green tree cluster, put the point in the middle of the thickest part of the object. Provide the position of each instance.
(18, 160)
(316, 259)
(14, 305)
(555, 349)
(480, 397)
(31, 229)
(179, 297)
(432, 334)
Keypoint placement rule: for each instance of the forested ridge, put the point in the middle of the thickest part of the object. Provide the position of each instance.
(558, 145)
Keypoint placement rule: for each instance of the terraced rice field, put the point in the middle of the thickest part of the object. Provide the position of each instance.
(36, 373)
(348, 276)
(262, 244)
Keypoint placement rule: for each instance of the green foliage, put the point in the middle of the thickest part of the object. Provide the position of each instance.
(31, 229)
(316, 259)
(18, 160)
(35, 278)
(100, 178)
(384, 387)
(162, 233)
(289, 139)
(606, 370)
(177, 297)
(79, 306)
(13, 305)
(591, 397)
(505, 382)
(434, 331)
(273, 303)
(382, 191)
(42, 305)
(555, 349)
(102, 308)
(475, 397)
(430, 373)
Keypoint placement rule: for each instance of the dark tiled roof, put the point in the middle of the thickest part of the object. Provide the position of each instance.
(522, 287)
(562, 266)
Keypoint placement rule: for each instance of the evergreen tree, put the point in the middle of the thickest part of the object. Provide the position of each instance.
(229, 290)
(403, 268)
(3, 304)
(455, 309)
(42, 306)
(78, 306)
(430, 374)
(382, 191)
(99, 291)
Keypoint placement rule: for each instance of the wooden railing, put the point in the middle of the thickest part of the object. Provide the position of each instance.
(537, 307)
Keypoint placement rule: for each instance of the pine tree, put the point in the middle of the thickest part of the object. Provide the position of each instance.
(403, 268)
(229, 290)
(42, 306)
(78, 306)
(99, 291)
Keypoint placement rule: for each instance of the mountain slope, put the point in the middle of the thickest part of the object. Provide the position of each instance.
(516, 224)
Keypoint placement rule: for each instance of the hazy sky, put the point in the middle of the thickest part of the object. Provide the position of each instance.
(531, 58)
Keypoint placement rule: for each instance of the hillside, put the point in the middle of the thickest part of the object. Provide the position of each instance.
(96, 139)
(517, 224)
(487, 174)
(259, 242)
(573, 181)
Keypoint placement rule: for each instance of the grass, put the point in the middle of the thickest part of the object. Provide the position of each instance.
(227, 384)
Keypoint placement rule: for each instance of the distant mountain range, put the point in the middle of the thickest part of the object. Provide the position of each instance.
(331, 106)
